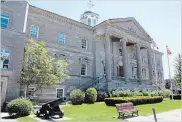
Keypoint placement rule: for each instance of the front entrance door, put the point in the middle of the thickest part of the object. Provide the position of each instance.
(4, 81)
(120, 71)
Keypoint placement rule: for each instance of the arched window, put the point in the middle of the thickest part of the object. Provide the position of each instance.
(120, 69)
(89, 21)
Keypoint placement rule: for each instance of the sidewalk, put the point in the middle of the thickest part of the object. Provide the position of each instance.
(4, 118)
(170, 116)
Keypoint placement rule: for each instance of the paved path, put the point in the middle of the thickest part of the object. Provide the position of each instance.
(170, 116)
(5, 118)
(49, 120)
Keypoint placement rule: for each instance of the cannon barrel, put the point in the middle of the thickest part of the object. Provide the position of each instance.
(55, 102)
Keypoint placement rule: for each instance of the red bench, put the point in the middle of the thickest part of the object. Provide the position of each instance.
(126, 108)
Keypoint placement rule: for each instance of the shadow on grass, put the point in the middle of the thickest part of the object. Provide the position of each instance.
(127, 116)
(11, 117)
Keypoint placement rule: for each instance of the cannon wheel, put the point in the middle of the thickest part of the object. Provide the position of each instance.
(61, 114)
(38, 114)
(46, 115)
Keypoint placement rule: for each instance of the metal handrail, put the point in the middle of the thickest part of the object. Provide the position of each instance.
(88, 83)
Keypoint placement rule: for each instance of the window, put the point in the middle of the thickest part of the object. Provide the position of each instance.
(84, 43)
(144, 73)
(89, 21)
(120, 52)
(34, 31)
(144, 60)
(5, 58)
(83, 69)
(59, 92)
(31, 91)
(61, 38)
(94, 22)
(134, 72)
(4, 21)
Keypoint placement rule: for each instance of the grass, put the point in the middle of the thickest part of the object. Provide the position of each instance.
(27, 119)
(101, 112)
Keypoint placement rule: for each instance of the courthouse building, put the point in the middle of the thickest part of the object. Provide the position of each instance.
(113, 54)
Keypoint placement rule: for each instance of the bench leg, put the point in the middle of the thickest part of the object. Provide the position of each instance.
(119, 116)
(137, 113)
(123, 115)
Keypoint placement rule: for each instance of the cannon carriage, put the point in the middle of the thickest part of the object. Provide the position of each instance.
(51, 108)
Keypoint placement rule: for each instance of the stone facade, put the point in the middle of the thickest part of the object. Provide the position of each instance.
(13, 38)
(123, 53)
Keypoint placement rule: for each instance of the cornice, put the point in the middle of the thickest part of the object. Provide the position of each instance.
(53, 16)
(157, 52)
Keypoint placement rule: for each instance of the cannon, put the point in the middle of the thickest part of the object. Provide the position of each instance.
(51, 108)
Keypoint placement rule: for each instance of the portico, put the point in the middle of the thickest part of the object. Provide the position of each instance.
(124, 60)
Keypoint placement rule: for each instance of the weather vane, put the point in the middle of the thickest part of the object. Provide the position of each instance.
(90, 5)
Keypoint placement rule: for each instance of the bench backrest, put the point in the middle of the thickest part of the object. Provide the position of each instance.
(124, 106)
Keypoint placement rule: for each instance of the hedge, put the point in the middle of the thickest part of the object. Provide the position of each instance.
(176, 96)
(131, 93)
(137, 100)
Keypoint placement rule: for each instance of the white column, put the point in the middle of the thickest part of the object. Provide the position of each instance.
(124, 56)
(108, 56)
(115, 61)
(139, 68)
(150, 63)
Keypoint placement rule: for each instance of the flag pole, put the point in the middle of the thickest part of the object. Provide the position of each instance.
(155, 70)
(169, 72)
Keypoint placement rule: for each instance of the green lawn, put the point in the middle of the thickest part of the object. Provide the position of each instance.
(102, 112)
(27, 119)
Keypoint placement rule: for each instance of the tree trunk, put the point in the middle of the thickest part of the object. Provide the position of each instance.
(26, 90)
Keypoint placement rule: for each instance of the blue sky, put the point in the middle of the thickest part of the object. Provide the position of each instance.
(160, 19)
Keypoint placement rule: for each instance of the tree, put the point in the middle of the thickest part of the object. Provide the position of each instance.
(40, 69)
(177, 73)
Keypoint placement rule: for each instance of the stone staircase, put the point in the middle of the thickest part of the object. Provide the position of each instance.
(99, 84)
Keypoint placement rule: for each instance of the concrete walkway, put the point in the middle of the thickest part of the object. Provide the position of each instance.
(170, 116)
(49, 120)
(5, 118)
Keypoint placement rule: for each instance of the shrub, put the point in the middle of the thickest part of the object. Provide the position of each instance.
(166, 92)
(101, 96)
(137, 93)
(146, 93)
(77, 97)
(20, 107)
(176, 96)
(90, 95)
(160, 93)
(135, 100)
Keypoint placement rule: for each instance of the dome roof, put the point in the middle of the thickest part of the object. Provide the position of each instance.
(86, 12)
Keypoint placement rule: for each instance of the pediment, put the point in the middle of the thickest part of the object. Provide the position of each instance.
(131, 26)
